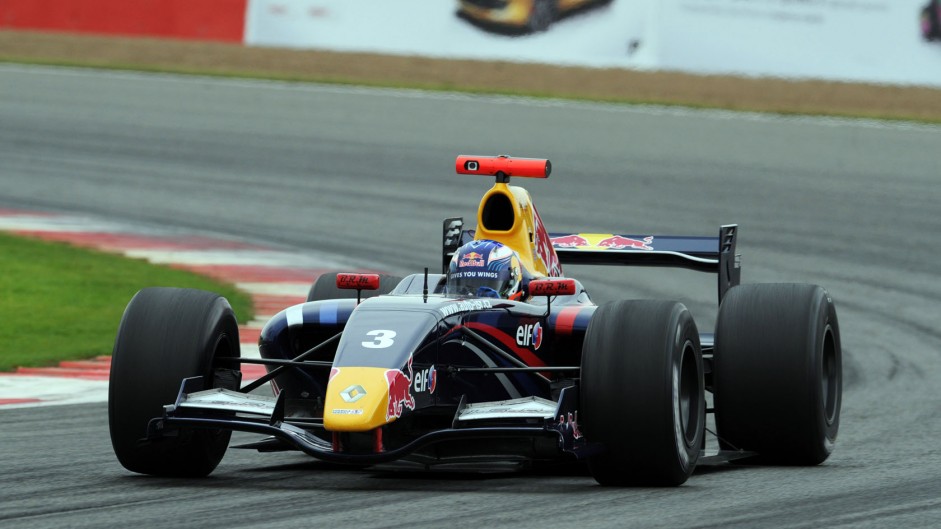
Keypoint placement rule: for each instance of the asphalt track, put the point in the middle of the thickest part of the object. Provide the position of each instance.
(368, 175)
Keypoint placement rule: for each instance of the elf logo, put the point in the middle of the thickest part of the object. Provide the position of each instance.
(425, 380)
(529, 335)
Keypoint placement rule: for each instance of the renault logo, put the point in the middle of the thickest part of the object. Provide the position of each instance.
(353, 393)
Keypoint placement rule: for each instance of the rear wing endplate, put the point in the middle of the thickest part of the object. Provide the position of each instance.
(705, 254)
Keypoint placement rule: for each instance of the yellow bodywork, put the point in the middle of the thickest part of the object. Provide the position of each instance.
(521, 236)
(516, 12)
(368, 411)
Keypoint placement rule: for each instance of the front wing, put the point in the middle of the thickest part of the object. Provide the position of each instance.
(528, 417)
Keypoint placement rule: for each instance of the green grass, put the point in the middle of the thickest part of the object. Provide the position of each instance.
(59, 302)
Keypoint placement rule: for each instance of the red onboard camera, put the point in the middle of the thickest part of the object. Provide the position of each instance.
(503, 166)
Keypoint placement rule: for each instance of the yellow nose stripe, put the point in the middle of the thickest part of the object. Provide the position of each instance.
(357, 400)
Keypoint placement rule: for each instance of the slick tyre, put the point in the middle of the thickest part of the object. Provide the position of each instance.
(166, 335)
(543, 14)
(325, 287)
(642, 393)
(778, 372)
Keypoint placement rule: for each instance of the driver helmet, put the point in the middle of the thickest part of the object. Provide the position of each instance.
(487, 269)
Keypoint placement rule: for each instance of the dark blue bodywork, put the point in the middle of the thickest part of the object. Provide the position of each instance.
(444, 333)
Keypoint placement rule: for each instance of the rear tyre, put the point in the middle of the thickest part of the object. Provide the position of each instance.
(642, 393)
(166, 335)
(930, 23)
(325, 287)
(778, 372)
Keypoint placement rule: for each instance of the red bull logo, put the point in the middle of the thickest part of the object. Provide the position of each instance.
(569, 241)
(544, 249)
(472, 259)
(616, 242)
(400, 394)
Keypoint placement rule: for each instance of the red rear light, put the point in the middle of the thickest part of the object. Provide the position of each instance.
(358, 281)
(491, 165)
(552, 287)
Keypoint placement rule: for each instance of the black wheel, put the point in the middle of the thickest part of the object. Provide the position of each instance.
(325, 287)
(927, 25)
(931, 21)
(542, 16)
(166, 335)
(642, 393)
(778, 372)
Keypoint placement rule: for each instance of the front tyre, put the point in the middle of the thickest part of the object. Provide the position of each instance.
(542, 15)
(642, 393)
(166, 335)
(778, 375)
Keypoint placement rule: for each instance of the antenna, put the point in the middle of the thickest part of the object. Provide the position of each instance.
(424, 290)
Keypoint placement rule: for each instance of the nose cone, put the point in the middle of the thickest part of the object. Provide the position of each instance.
(360, 399)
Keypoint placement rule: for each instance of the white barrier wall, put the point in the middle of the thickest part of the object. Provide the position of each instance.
(855, 40)
(598, 37)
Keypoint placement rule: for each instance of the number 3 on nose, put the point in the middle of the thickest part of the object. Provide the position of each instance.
(381, 339)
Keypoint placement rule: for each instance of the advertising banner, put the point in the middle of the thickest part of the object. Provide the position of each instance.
(215, 20)
(881, 41)
(874, 41)
(589, 32)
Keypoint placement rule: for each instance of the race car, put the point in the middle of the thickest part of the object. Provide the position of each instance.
(528, 15)
(496, 358)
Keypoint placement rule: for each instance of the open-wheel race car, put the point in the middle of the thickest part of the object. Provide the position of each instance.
(527, 15)
(498, 358)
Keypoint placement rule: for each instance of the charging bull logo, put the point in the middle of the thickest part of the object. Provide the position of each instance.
(400, 394)
(543, 247)
(569, 241)
(617, 242)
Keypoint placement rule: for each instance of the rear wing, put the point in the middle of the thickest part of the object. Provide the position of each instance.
(704, 254)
